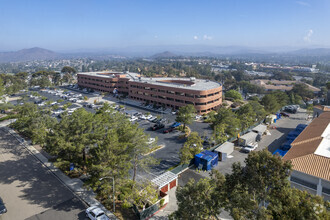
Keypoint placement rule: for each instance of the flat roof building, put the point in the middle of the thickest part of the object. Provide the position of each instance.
(310, 157)
(205, 95)
(281, 85)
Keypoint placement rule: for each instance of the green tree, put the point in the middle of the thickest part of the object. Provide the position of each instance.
(247, 116)
(191, 147)
(250, 187)
(201, 200)
(226, 116)
(219, 133)
(302, 90)
(68, 69)
(186, 115)
(270, 103)
(234, 95)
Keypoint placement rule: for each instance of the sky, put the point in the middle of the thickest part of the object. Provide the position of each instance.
(100, 24)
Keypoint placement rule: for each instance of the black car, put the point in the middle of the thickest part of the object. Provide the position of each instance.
(2, 207)
(157, 126)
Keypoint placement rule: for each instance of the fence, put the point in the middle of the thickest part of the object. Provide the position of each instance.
(141, 215)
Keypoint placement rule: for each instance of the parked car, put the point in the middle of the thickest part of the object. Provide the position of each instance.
(96, 213)
(133, 118)
(152, 119)
(250, 147)
(175, 125)
(284, 114)
(2, 207)
(168, 130)
(157, 126)
(151, 140)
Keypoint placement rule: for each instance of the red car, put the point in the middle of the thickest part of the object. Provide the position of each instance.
(284, 114)
(168, 130)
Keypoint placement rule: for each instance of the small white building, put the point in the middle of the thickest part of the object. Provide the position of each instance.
(224, 150)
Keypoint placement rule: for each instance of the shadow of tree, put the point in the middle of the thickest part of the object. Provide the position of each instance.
(36, 183)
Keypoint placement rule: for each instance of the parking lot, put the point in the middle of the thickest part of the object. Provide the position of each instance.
(29, 190)
(272, 142)
(168, 156)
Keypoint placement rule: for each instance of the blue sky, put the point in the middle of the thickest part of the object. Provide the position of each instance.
(97, 24)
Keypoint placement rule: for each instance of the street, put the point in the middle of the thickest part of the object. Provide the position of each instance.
(31, 191)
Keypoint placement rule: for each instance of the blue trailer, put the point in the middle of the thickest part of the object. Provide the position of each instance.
(206, 160)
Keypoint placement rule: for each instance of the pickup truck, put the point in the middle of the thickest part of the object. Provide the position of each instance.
(157, 126)
(250, 147)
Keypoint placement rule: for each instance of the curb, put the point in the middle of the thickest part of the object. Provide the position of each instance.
(74, 185)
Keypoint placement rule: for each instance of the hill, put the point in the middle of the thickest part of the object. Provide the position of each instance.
(165, 54)
(35, 53)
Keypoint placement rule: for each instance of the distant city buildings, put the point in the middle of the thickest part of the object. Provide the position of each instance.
(205, 95)
(280, 85)
(310, 157)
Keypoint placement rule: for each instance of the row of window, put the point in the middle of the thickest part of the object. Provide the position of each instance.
(100, 80)
(172, 99)
(103, 86)
(175, 93)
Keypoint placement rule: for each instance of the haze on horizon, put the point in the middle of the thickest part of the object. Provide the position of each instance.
(83, 24)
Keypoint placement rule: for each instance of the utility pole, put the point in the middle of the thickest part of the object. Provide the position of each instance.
(113, 190)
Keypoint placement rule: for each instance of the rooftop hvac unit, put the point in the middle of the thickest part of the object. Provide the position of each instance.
(193, 79)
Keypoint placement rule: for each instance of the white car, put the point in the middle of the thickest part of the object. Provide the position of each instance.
(151, 118)
(96, 213)
(151, 140)
(133, 118)
(250, 147)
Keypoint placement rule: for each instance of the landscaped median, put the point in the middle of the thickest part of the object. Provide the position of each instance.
(74, 185)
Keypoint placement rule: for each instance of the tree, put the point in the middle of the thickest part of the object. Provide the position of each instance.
(250, 187)
(293, 203)
(234, 95)
(302, 90)
(270, 103)
(328, 85)
(201, 200)
(191, 147)
(219, 133)
(68, 69)
(72, 135)
(226, 116)
(247, 116)
(2, 88)
(186, 115)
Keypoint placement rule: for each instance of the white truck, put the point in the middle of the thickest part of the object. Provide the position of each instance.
(250, 147)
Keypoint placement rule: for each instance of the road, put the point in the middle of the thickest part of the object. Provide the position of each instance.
(31, 191)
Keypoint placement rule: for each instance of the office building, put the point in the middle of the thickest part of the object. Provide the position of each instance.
(172, 93)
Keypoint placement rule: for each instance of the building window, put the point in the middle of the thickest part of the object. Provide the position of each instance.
(303, 182)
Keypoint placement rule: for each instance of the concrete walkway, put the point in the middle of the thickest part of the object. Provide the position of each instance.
(75, 185)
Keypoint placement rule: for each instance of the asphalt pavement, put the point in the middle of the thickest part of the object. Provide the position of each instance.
(31, 191)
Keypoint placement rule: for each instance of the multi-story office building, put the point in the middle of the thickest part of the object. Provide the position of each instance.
(205, 95)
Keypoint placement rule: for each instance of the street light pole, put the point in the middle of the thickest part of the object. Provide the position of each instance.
(113, 190)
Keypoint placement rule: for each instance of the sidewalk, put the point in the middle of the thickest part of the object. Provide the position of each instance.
(74, 185)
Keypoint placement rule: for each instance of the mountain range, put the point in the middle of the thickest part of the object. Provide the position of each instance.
(35, 53)
(155, 52)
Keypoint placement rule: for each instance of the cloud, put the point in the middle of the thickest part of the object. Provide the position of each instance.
(308, 36)
(303, 3)
(205, 37)
(195, 37)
